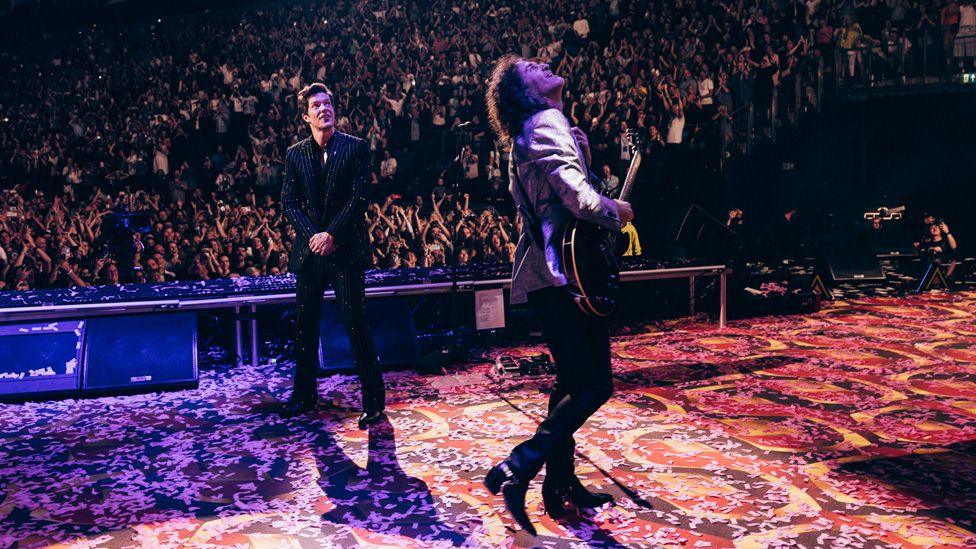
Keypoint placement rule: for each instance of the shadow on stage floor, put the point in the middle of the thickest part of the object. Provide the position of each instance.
(940, 483)
(851, 427)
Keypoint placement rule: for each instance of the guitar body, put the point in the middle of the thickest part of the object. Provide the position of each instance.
(589, 254)
(589, 259)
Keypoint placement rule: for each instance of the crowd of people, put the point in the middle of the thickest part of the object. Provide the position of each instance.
(187, 119)
(903, 38)
(68, 243)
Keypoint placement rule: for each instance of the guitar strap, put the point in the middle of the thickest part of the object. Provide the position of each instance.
(529, 218)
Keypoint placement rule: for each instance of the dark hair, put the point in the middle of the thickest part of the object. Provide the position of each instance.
(309, 91)
(509, 102)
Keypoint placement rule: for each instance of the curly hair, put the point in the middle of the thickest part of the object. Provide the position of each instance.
(509, 102)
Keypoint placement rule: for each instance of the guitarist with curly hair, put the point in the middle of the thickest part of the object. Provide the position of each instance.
(550, 183)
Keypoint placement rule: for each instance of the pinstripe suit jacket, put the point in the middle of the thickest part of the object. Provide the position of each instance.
(335, 203)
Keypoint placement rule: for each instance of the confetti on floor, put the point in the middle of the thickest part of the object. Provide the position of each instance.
(852, 427)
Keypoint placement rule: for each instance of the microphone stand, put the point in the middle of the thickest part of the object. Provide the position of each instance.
(456, 170)
(451, 353)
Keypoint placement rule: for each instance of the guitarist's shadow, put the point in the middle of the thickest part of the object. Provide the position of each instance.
(381, 497)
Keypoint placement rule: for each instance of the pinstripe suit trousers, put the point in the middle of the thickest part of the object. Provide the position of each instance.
(349, 285)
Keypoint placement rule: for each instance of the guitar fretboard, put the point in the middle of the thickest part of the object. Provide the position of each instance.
(632, 170)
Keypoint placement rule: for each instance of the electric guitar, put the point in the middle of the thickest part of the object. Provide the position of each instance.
(590, 254)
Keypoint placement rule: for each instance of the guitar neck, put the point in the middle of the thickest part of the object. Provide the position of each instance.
(631, 175)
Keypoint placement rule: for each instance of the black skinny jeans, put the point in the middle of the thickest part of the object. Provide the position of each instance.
(350, 291)
(580, 347)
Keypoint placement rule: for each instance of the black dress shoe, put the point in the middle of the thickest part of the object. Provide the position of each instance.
(559, 500)
(297, 406)
(368, 418)
(502, 479)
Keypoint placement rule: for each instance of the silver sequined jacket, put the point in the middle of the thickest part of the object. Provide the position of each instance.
(554, 188)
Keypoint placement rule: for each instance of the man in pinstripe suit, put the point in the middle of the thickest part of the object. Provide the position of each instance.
(323, 195)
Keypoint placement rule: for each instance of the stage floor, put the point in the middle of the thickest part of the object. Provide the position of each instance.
(852, 427)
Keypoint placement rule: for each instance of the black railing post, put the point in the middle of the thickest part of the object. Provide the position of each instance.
(864, 59)
(840, 66)
(797, 98)
(925, 56)
(902, 54)
(750, 114)
(820, 77)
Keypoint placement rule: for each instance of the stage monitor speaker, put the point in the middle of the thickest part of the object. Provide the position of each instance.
(816, 283)
(392, 326)
(40, 360)
(856, 263)
(139, 353)
(704, 236)
(933, 275)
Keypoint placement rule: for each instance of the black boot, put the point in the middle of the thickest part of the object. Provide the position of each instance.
(368, 418)
(559, 498)
(372, 411)
(299, 404)
(502, 479)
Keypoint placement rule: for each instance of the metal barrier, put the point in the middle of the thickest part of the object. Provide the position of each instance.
(929, 55)
(762, 118)
(252, 302)
(924, 56)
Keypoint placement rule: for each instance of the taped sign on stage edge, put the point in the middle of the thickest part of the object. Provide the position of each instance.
(489, 309)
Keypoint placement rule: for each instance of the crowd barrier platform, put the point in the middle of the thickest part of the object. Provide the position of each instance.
(32, 309)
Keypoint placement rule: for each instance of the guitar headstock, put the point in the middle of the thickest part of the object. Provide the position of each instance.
(634, 139)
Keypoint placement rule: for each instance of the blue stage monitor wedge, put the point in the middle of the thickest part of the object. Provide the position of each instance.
(392, 326)
(139, 353)
(40, 359)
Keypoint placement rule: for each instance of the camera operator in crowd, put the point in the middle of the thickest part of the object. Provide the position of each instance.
(937, 243)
